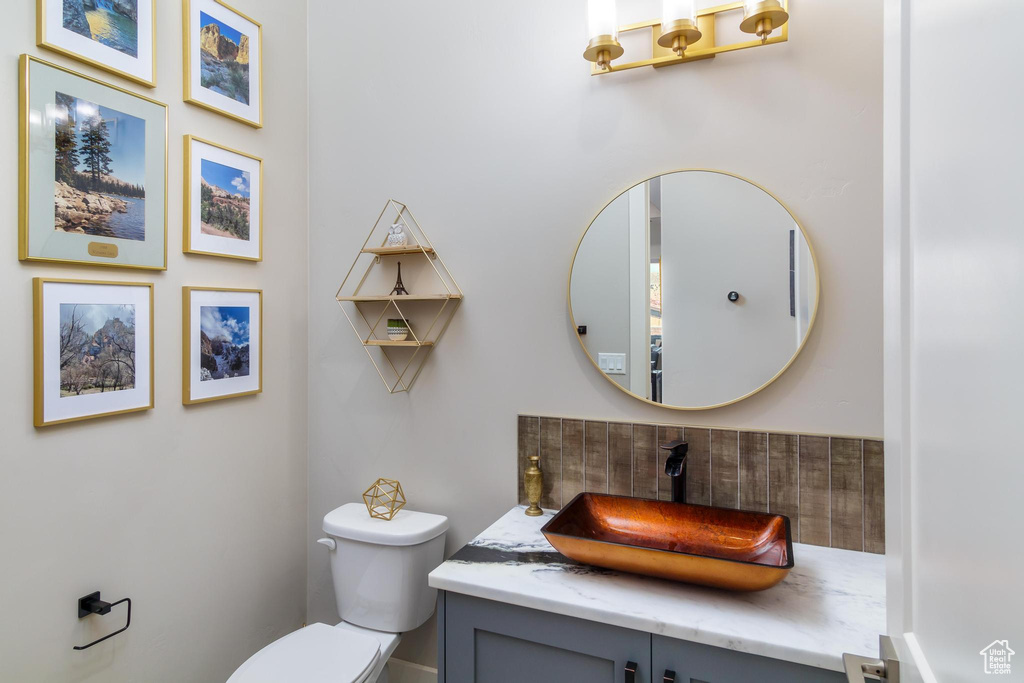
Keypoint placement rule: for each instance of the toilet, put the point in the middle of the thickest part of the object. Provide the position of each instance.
(380, 572)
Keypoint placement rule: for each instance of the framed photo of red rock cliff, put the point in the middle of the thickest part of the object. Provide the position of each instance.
(93, 176)
(223, 64)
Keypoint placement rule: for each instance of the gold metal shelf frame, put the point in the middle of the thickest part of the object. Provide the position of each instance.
(354, 304)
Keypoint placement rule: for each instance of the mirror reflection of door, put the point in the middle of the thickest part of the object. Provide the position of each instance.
(697, 288)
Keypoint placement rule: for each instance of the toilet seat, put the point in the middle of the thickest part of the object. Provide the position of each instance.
(316, 654)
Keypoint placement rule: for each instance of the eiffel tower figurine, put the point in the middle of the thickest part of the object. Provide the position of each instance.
(399, 287)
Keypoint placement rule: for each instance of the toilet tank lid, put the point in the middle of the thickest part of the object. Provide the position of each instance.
(353, 522)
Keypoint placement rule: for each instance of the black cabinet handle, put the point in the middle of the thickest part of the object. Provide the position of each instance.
(670, 676)
(630, 672)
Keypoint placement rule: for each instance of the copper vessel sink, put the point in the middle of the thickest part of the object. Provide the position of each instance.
(732, 549)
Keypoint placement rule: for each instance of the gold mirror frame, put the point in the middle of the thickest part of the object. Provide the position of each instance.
(803, 342)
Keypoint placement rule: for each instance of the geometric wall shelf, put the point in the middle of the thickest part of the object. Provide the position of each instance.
(370, 301)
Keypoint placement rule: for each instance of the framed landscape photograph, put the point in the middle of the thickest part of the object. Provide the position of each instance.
(223, 60)
(223, 201)
(93, 349)
(93, 181)
(116, 35)
(222, 343)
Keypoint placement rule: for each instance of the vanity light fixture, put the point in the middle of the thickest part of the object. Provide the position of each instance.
(762, 17)
(683, 33)
(678, 25)
(603, 33)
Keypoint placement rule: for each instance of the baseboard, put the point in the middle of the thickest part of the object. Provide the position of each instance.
(401, 671)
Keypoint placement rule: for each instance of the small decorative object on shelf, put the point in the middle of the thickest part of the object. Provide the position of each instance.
(399, 287)
(397, 236)
(398, 330)
(384, 498)
(398, 357)
(533, 481)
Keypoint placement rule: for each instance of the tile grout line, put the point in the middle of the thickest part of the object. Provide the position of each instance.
(737, 470)
(800, 516)
(830, 492)
(561, 459)
(863, 503)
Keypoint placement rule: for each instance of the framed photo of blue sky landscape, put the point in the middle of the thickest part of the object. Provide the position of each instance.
(223, 60)
(116, 35)
(222, 343)
(93, 177)
(223, 201)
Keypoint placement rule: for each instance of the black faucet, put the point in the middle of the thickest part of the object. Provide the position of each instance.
(675, 467)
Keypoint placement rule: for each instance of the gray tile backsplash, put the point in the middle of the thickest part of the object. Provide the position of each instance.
(831, 488)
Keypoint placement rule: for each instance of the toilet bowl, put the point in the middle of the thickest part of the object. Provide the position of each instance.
(379, 568)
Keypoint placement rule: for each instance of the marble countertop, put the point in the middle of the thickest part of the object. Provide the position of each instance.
(832, 601)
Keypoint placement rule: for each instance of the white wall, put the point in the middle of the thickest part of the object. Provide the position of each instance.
(954, 278)
(505, 148)
(197, 514)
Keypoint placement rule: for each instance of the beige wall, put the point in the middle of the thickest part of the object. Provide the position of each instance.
(505, 148)
(197, 514)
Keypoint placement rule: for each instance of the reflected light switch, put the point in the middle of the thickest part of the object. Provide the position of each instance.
(612, 363)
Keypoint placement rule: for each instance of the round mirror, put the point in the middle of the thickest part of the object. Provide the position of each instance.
(693, 290)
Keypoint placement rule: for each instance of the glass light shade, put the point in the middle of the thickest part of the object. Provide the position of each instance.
(602, 19)
(676, 10)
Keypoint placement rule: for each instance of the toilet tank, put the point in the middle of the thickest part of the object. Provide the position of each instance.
(380, 566)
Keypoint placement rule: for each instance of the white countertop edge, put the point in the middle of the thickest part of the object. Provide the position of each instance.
(820, 660)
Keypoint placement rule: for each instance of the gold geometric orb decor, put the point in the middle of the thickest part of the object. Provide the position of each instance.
(384, 498)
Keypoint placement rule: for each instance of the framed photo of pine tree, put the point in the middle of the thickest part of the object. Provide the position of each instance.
(223, 201)
(93, 176)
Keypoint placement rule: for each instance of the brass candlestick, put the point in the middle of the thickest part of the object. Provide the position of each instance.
(533, 481)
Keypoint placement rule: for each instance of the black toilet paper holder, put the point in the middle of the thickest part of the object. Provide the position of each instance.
(91, 604)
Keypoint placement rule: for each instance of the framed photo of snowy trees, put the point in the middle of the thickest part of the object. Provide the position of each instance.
(223, 201)
(223, 60)
(93, 349)
(93, 176)
(222, 343)
(118, 36)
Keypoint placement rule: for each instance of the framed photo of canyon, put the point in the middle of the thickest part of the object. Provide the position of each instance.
(118, 36)
(223, 206)
(222, 343)
(93, 176)
(93, 349)
(223, 65)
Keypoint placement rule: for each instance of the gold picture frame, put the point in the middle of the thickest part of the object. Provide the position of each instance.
(43, 41)
(43, 366)
(99, 248)
(193, 93)
(192, 392)
(188, 240)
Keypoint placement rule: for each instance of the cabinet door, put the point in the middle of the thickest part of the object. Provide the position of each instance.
(491, 642)
(695, 663)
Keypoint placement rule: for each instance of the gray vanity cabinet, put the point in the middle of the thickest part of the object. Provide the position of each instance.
(481, 641)
(695, 663)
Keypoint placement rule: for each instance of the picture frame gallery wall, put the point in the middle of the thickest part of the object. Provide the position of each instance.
(93, 191)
